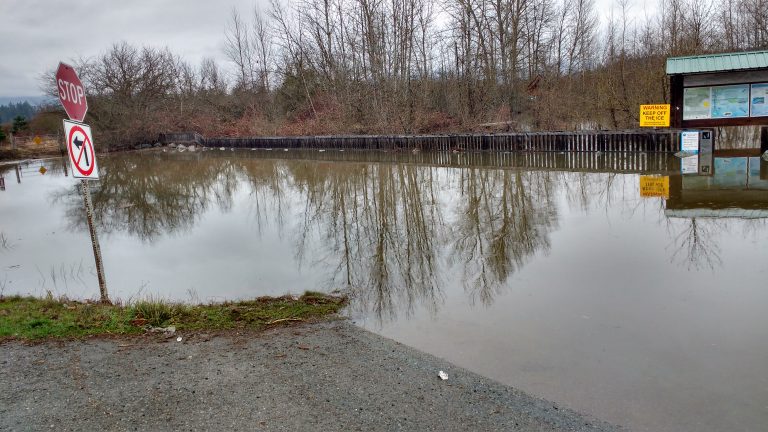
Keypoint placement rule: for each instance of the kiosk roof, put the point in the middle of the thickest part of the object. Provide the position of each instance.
(717, 63)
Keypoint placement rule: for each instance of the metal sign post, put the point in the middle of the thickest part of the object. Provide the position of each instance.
(82, 154)
(82, 158)
(94, 241)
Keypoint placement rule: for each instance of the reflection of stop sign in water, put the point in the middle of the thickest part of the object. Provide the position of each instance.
(71, 92)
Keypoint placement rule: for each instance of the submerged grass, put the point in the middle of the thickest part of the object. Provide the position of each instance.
(9, 154)
(33, 318)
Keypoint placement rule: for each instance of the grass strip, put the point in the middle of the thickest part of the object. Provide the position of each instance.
(29, 318)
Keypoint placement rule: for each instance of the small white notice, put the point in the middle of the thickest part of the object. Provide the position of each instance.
(690, 165)
(689, 141)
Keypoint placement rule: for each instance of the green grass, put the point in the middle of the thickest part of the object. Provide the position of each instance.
(32, 318)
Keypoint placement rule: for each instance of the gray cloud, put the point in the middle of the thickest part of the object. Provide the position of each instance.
(37, 34)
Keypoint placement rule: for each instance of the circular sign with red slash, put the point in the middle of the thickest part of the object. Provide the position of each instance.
(82, 156)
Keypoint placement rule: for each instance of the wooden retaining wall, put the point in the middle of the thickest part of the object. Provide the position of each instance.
(609, 162)
(181, 138)
(587, 141)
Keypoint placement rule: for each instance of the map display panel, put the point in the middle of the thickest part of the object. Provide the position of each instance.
(759, 99)
(697, 103)
(730, 101)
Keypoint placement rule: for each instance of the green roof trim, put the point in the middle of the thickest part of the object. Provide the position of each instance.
(717, 63)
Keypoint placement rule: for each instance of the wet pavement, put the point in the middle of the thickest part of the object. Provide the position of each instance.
(328, 376)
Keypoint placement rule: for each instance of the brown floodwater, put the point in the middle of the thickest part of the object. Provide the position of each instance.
(552, 273)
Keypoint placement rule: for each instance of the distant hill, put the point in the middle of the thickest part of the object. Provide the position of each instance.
(9, 111)
(32, 100)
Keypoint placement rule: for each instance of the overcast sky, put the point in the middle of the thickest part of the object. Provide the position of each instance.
(37, 34)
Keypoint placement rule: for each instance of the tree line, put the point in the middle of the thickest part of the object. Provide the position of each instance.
(19, 109)
(415, 66)
(13, 118)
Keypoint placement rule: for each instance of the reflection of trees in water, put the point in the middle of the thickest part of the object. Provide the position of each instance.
(148, 196)
(751, 228)
(606, 191)
(695, 243)
(380, 226)
(268, 182)
(503, 218)
(379, 229)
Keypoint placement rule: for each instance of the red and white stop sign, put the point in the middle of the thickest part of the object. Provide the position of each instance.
(71, 92)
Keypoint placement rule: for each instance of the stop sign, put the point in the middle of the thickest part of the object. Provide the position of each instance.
(71, 92)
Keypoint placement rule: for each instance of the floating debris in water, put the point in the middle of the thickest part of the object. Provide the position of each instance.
(221, 148)
(684, 154)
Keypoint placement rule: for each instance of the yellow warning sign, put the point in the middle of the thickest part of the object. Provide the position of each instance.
(38, 140)
(654, 115)
(43, 170)
(654, 186)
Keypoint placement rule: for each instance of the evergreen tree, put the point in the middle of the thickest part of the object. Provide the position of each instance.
(2, 135)
(19, 124)
(8, 112)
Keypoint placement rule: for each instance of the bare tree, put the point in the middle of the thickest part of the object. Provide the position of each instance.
(237, 47)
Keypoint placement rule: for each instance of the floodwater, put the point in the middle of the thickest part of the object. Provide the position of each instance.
(550, 273)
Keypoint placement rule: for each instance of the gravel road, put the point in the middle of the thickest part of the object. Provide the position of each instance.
(327, 376)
